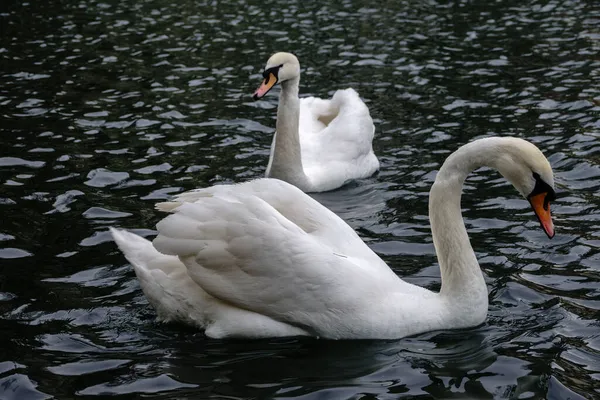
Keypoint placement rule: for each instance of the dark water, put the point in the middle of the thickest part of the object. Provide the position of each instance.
(108, 107)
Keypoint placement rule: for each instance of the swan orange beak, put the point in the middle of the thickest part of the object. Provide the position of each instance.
(267, 84)
(541, 207)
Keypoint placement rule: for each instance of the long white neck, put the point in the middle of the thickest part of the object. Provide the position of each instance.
(286, 160)
(463, 286)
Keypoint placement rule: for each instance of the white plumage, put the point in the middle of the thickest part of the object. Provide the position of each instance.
(263, 259)
(319, 144)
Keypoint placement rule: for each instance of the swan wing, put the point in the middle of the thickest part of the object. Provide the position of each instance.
(165, 281)
(294, 205)
(352, 129)
(315, 115)
(244, 251)
(250, 256)
(343, 149)
(341, 127)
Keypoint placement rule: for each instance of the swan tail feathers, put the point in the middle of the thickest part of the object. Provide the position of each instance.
(137, 250)
(163, 279)
(167, 206)
(142, 254)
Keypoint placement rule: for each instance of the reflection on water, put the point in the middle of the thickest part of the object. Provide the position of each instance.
(108, 107)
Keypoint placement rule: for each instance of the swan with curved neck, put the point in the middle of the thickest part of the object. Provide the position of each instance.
(263, 259)
(319, 145)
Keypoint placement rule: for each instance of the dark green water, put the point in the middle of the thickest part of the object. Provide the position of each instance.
(109, 107)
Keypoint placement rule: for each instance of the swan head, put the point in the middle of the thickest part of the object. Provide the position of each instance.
(280, 68)
(526, 167)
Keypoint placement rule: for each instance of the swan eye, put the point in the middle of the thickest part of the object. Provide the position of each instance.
(542, 187)
(270, 79)
(272, 70)
(540, 199)
(550, 196)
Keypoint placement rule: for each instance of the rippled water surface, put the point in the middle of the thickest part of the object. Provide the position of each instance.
(110, 106)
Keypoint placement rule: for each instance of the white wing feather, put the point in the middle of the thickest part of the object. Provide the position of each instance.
(340, 149)
(241, 249)
(292, 204)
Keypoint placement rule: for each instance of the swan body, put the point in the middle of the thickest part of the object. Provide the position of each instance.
(319, 145)
(263, 259)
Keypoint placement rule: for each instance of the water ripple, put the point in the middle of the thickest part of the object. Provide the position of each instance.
(109, 107)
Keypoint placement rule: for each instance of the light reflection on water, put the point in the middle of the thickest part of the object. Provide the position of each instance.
(109, 107)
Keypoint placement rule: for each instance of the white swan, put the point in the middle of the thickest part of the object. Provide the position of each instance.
(319, 145)
(263, 259)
